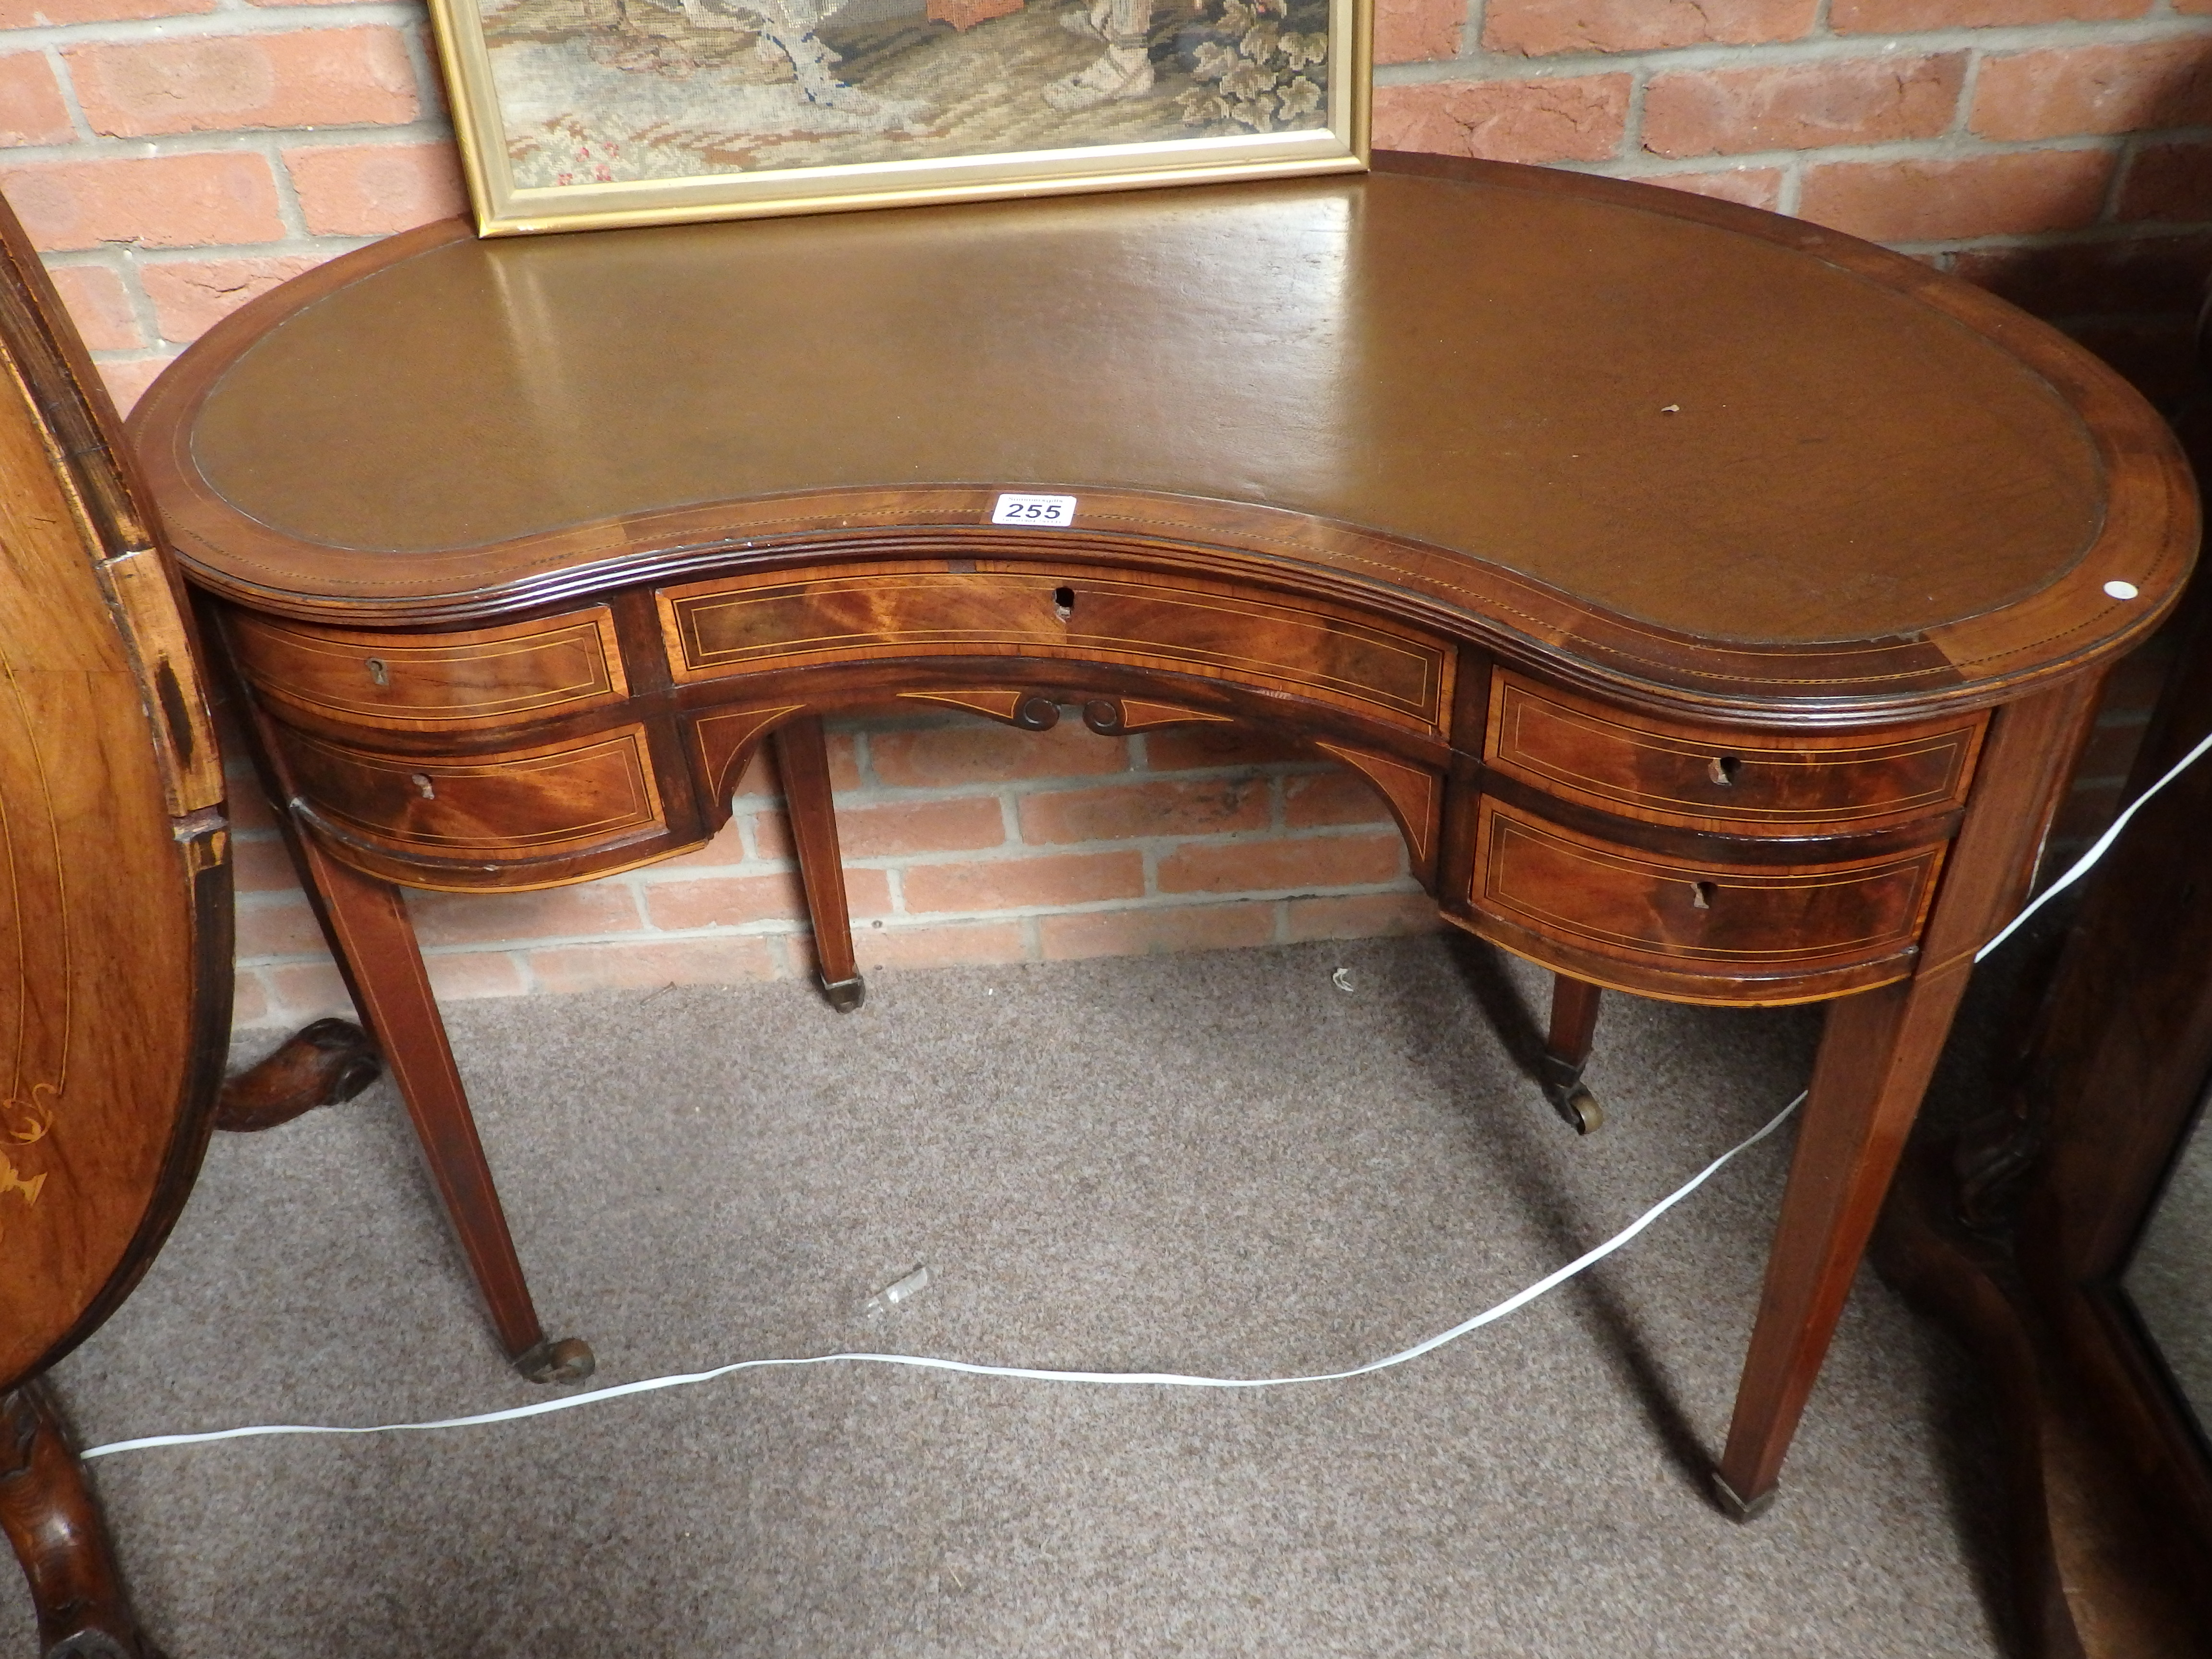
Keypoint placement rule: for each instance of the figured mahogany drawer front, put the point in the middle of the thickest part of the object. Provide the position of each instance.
(531, 803)
(1743, 782)
(753, 625)
(440, 682)
(1674, 912)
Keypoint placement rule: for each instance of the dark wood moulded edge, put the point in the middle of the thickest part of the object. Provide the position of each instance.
(1718, 990)
(1539, 629)
(2149, 537)
(438, 873)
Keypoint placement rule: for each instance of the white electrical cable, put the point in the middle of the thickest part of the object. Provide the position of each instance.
(2081, 867)
(1168, 1379)
(1165, 1379)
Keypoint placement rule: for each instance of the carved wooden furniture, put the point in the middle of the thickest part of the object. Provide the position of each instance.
(115, 933)
(1718, 602)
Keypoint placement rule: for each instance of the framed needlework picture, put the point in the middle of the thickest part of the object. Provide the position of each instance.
(576, 114)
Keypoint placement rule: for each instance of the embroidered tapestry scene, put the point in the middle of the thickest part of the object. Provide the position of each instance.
(616, 91)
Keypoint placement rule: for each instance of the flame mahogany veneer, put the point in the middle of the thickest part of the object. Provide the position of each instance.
(1717, 601)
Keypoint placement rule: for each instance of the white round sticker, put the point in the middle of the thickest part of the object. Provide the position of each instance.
(2121, 590)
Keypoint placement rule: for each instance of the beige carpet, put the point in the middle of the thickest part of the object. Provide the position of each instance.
(1217, 1163)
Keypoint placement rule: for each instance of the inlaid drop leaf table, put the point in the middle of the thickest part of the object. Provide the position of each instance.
(1717, 601)
(115, 945)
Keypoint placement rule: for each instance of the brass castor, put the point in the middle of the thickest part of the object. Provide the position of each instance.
(1580, 1110)
(568, 1360)
(1561, 1080)
(845, 995)
(1735, 1508)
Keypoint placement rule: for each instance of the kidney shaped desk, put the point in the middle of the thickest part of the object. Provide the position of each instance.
(1718, 602)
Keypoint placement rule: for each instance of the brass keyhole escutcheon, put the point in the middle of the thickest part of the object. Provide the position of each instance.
(378, 672)
(1722, 770)
(1701, 895)
(423, 787)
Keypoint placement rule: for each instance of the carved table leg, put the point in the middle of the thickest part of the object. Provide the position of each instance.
(60, 1538)
(324, 1064)
(803, 760)
(1566, 1052)
(374, 942)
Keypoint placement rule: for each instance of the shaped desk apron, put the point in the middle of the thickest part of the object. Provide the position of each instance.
(1718, 602)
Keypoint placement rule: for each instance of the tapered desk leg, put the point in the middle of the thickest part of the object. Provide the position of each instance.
(373, 939)
(1566, 1052)
(50, 1517)
(1877, 1054)
(803, 760)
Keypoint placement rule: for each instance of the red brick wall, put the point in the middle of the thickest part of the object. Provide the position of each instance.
(2057, 151)
(176, 157)
(965, 841)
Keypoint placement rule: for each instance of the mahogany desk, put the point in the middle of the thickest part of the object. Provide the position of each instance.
(1718, 602)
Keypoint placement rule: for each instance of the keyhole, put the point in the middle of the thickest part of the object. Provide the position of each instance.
(1063, 603)
(377, 671)
(1701, 895)
(1722, 770)
(423, 785)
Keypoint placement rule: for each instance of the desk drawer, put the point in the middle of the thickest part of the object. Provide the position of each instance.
(531, 803)
(1675, 913)
(485, 676)
(748, 625)
(1737, 781)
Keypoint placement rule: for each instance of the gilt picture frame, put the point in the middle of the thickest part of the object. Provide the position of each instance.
(587, 114)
